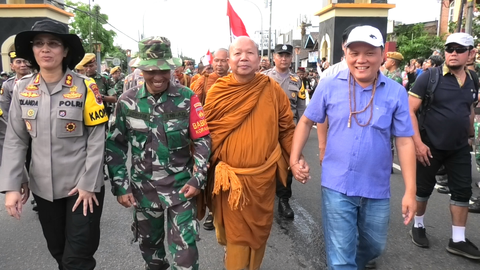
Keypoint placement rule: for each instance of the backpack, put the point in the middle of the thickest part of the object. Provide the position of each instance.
(434, 78)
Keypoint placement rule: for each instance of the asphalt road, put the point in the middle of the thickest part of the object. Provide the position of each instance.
(293, 244)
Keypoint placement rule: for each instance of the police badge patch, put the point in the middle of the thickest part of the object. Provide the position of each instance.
(62, 113)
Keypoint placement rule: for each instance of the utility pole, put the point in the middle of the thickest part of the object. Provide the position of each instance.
(90, 27)
(270, 33)
(460, 16)
(469, 17)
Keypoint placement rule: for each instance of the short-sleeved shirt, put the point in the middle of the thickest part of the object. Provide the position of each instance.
(447, 123)
(358, 160)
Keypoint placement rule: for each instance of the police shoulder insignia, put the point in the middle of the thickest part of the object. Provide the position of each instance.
(293, 78)
(37, 79)
(69, 80)
(1, 91)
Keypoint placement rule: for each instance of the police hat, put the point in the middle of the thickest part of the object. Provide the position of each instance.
(284, 48)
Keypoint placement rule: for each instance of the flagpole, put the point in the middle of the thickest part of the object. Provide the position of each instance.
(230, 27)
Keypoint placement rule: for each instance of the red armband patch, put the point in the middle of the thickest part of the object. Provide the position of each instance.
(198, 124)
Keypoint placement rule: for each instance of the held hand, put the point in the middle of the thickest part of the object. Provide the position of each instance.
(423, 154)
(25, 192)
(409, 208)
(126, 200)
(13, 203)
(85, 197)
(301, 171)
(189, 191)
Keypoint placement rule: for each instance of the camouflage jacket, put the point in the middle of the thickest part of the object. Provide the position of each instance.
(396, 75)
(161, 132)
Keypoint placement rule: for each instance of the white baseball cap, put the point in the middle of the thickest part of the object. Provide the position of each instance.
(463, 39)
(367, 34)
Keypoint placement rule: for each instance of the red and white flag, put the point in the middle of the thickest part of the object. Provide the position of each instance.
(237, 28)
(208, 59)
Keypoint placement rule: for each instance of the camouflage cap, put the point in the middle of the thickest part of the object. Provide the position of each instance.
(155, 54)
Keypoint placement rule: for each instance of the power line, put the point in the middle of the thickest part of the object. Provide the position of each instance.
(91, 14)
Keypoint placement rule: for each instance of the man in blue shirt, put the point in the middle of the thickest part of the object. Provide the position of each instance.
(364, 109)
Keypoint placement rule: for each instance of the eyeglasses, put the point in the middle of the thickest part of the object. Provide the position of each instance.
(456, 49)
(52, 44)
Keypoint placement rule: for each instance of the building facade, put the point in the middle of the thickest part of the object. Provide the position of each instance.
(20, 15)
(337, 15)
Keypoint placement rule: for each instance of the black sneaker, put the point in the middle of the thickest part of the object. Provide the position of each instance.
(475, 207)
(419, 237)
(208, 223)
(465, 248)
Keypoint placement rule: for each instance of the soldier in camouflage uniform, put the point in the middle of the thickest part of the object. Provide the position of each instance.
(161, 121)
(392, 64)
(109, 97)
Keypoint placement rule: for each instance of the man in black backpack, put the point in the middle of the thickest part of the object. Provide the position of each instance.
(446, 96)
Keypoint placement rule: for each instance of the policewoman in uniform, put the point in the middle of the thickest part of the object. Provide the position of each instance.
(63, 114)
(292, 85)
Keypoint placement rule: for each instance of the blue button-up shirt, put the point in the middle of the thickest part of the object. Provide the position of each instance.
(358, 159)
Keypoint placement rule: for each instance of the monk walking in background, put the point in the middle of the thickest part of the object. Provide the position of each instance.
(201, 87)
(252, 127)
(220, 69)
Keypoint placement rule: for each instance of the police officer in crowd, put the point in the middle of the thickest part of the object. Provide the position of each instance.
(293, 87)
(62, 113)
(21, 67)
(161, 121)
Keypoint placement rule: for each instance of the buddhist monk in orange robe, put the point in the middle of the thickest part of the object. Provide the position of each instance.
(252, 127)
(220, 69)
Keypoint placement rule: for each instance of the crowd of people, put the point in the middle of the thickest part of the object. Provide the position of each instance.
(221, 141)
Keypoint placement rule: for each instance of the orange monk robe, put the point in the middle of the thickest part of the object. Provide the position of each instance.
(203, 84)
(252, 130)
(194, 78)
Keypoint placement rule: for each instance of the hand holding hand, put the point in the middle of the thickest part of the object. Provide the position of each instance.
(301, 170)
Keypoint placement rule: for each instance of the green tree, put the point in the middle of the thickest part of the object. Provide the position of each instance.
(85, 20)
(452, 26)
(413, 41)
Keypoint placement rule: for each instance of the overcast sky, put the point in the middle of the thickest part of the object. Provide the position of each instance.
(195, 26)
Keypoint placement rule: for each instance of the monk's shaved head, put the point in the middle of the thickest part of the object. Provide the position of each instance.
(221, 51)
(220, 62)
(242, 39)
(244, 59)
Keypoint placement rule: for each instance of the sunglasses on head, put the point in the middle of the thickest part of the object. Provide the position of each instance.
(456, 49)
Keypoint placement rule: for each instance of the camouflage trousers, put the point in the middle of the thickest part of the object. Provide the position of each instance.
(182, 228)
